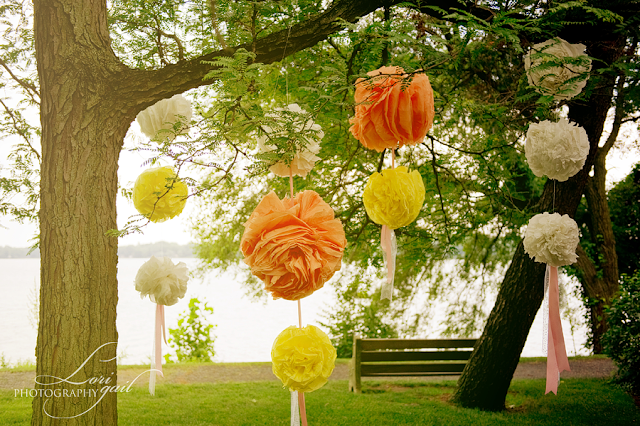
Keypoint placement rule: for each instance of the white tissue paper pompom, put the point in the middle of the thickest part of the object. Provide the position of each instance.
(163, 281)
(303, 160)
(163, 115)
(551, 81)
(552, 239)
(557, 150)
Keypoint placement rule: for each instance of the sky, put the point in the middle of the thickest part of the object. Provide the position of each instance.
(13, 234)
(130, 165)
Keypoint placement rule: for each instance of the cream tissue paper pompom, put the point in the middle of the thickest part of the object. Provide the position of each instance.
(550, 81)
(552, 239)
(557, 150)
(163, 281)
(304, 160)
(162, 116)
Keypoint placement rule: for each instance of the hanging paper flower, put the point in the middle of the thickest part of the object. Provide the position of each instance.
(163, 115)
(305, 158)
(389, 112)
(303, 358)
(553, 80)
(293, 246)
(162, 281)
(557, 150)
(159, 195)
(395, 197)
(552, 239)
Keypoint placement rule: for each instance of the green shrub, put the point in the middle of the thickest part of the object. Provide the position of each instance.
(192, 340)
(622, 340)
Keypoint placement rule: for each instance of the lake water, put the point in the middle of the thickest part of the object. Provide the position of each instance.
(244, 331)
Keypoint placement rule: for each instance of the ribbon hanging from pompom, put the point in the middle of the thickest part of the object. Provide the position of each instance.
(156, 355)
(557, 360)
(295, 414)
(300, 395)
(389, 251)
(303, 409)
(545, 313)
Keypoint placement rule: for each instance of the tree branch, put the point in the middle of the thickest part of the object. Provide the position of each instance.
(143, 88)
(617, 121)
(176, 39)
(214, 24)
(28, 87)
(435, 174)
(19, 131)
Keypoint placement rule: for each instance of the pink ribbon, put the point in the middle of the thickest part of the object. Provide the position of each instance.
(158, 345)
(303, 409)
(156, 362)
(557, 360)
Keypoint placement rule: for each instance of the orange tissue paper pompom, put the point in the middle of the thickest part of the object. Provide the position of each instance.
(387, 115)
(293, 246)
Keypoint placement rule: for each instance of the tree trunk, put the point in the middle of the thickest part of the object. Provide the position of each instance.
(82, 134)
(599, 276)
(487, 376)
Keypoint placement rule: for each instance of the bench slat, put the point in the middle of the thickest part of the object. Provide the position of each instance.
(411, 369)
(377, 356)
(419, 374)
(375, 344)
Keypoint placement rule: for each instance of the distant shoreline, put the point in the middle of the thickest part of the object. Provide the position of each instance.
(161, 248)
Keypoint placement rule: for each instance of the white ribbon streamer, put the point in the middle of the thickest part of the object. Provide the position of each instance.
(152, 373)
(545, 313)
(389, 246)
(295, 410)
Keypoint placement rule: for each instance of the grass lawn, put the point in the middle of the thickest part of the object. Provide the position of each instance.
(591, 402)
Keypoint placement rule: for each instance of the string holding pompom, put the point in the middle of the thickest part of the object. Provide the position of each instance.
(293, 245)
(159, 195)
(159, 120)
(164, 283)
(392, 109)
(559, 151)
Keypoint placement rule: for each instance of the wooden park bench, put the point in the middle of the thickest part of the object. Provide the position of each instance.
(407, 357)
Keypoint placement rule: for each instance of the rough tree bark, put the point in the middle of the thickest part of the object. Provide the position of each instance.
(487, 376)
(82, 133)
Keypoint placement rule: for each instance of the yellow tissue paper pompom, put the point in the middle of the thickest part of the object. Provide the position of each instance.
(395, 197)
(159, 195)
(303, 358)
